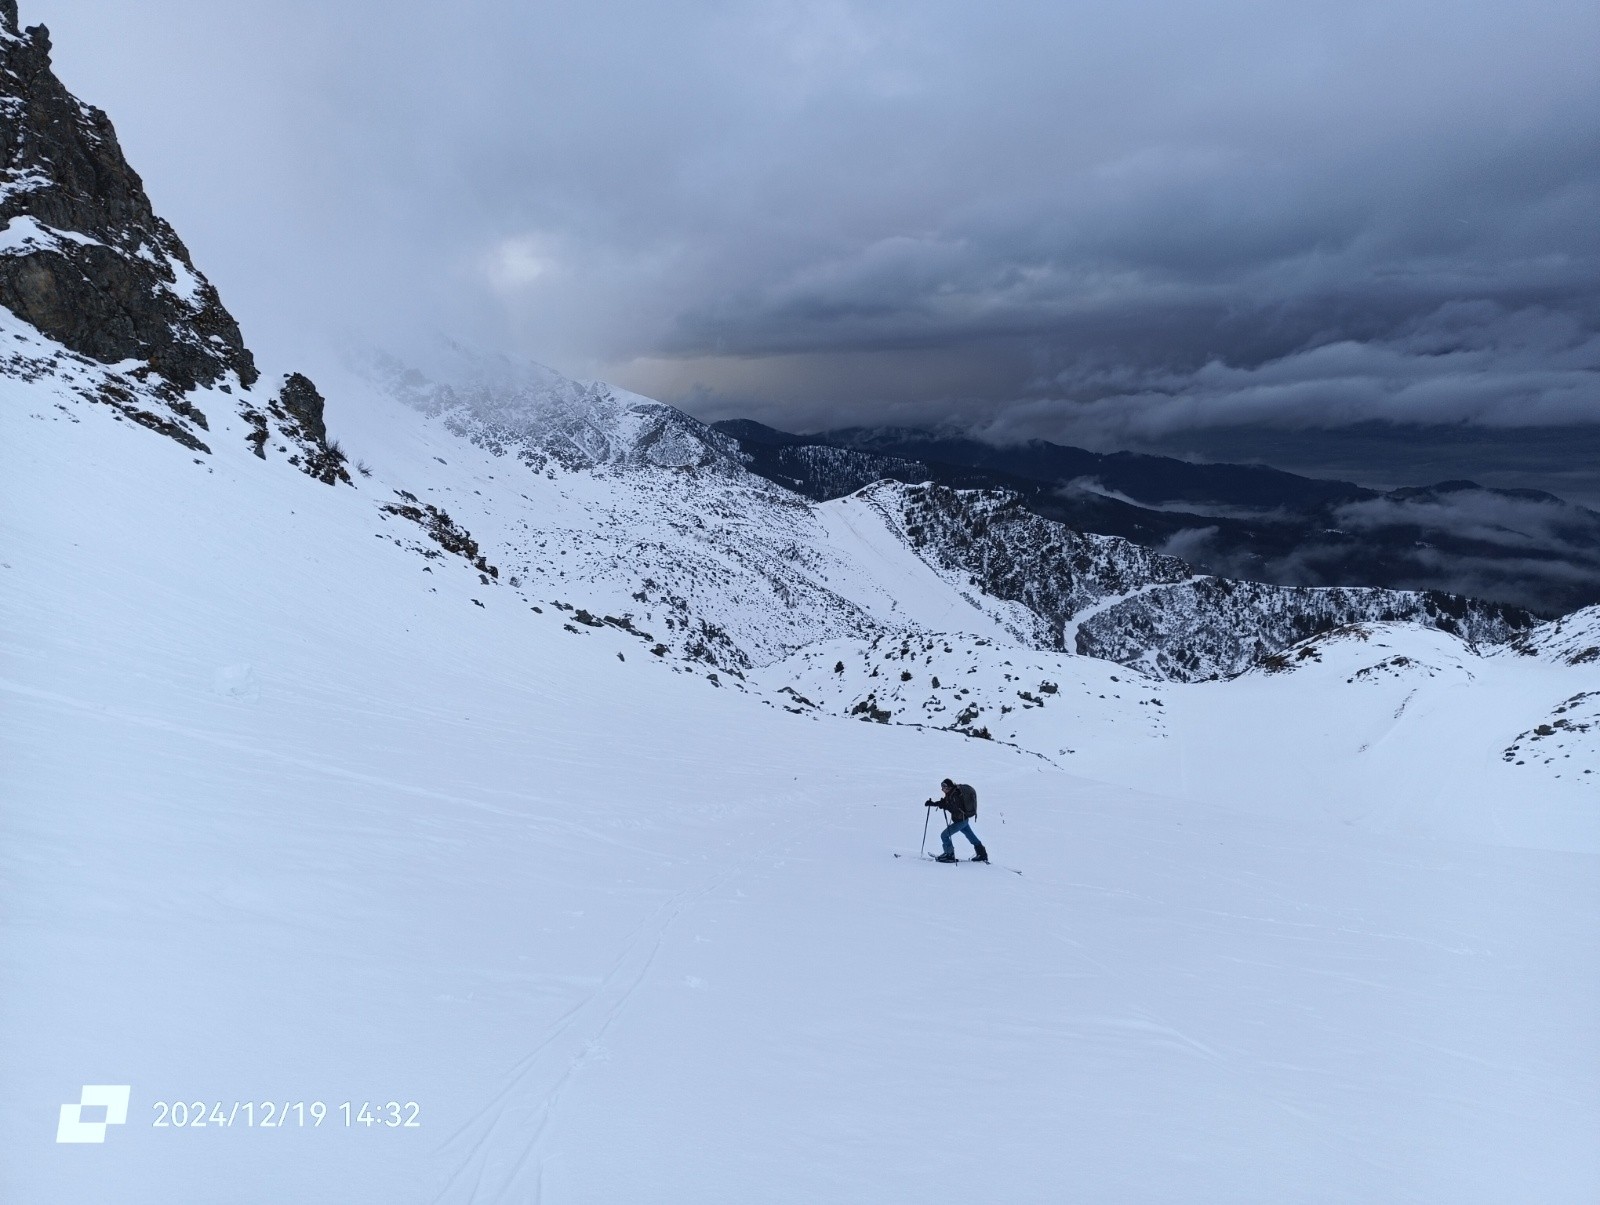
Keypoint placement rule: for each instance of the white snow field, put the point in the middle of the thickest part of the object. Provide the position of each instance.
(287, 817)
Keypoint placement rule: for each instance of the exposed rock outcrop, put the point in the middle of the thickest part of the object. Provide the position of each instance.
(443, 531)
(83, 256)
(294, 418)
(123, 316)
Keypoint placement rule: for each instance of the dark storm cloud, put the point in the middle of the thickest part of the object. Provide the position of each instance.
(1103, 224)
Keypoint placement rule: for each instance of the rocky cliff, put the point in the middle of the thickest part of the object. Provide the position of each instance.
(125, 318)
(85, 259)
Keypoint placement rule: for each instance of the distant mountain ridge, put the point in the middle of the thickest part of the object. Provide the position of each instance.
(1522, 547)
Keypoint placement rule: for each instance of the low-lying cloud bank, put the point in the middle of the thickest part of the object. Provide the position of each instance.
(1532, 551)
(1466, 362)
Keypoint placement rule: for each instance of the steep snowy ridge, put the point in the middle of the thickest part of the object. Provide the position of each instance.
(1010, 552)
(707, 568)
(907, 588)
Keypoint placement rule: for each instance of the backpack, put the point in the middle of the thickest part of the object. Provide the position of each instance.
(969, 799)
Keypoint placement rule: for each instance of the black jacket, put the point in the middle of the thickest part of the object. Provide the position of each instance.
(961, 804)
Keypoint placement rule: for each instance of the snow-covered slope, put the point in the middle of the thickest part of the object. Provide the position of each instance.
(1408, 730)
(288, 818)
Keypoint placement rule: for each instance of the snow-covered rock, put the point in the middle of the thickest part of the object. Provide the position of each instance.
(1573, 639)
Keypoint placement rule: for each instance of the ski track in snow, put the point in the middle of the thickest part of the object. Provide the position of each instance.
(535, 1082)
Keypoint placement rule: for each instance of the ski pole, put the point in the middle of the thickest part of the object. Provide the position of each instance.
(927, 815)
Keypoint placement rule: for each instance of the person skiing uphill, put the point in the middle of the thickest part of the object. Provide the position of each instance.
(960, 803)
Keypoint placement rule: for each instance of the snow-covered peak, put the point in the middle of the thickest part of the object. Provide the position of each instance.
(543, 417)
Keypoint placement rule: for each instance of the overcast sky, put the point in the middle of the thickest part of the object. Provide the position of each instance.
(1099, 223)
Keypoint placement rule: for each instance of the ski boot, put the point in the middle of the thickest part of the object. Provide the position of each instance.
(980, 854)
(945, 858)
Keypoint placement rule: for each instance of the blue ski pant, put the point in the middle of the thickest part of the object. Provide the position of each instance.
(961, 826)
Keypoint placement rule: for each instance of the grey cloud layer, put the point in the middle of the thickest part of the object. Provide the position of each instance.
(1070, 220)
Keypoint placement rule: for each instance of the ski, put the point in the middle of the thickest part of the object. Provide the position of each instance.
(934, 858)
